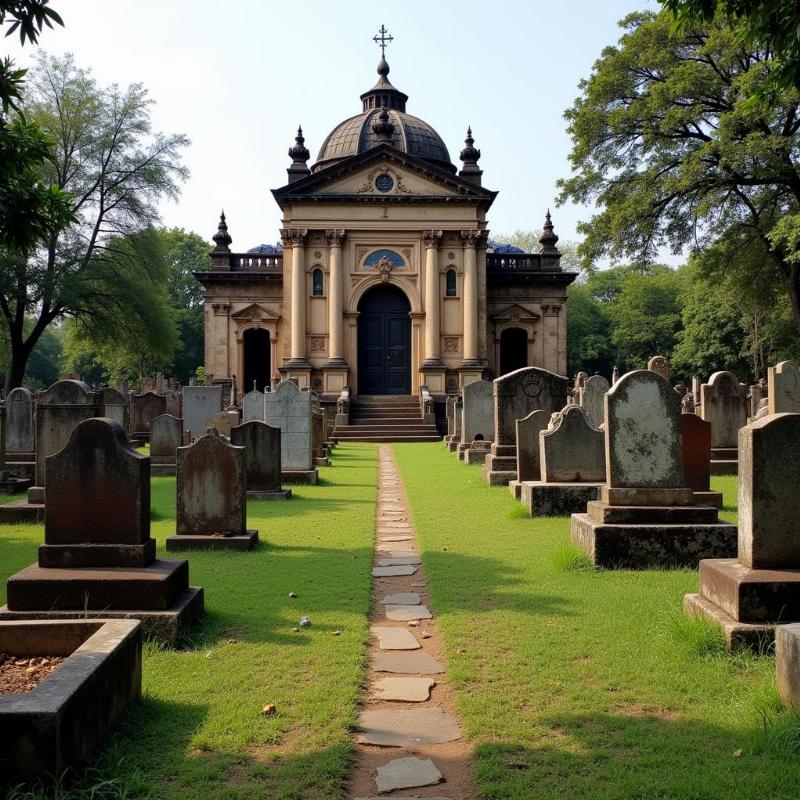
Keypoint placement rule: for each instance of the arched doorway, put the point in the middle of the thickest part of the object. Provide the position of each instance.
(384, 342)
(513, 350)
(256, 357)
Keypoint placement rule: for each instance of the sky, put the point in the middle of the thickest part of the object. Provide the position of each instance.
(239, 76)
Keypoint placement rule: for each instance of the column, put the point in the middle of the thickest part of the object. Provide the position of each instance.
(335, 300)
(431, 240)
(297, 238)
(469, 298)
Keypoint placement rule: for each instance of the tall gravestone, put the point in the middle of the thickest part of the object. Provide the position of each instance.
(20, 431)
(450, 415)
(166, 436)
(98, 556)
(696, 446)
(723, 403)
(571, 465)
(173, 403)
(477, 422)
(289, 408)
(114, 405)
(527, 449)
(200, 405)
(783, 392)
(646, 516)
(254, 407)
(515, 395)
(146, 407)
(592, 398)
(211, 510)
(750, 594)
(262, 444)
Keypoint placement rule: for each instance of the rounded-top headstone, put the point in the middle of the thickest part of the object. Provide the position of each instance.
(643, 432)
(783, 395)
(66, 392)
(660, 365)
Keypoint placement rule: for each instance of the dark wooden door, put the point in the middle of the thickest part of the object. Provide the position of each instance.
(384, 342)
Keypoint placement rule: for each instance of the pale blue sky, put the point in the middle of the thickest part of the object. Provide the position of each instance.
(238, 76)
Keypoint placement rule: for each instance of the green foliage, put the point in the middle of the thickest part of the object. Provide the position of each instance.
(589, 345)
(668, 147)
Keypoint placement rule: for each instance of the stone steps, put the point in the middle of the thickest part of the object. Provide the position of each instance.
(386, 419)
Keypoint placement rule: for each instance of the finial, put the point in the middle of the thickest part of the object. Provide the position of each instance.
(222, 239)
(382, 39)
(299, 155)
(548, 238)
(383, 128)
(470, 154)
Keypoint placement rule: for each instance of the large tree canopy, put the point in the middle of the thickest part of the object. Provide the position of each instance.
(116, 169)
(667, 145)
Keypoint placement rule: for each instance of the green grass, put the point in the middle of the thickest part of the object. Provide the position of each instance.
(199, 731)
(576, 683)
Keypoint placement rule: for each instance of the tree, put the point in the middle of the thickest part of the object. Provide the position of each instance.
(117, 170)
(589, 344)
(528, 240)
(666, 144)
(766, 24)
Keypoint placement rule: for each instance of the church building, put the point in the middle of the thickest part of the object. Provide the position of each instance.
(387, 278)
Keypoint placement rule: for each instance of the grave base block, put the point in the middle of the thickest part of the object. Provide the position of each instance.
(276, 494)
(103, 556)
(452, 446)
(657, 544)
(708, 499)
(476, 452)
(186, 541)
(515, 489)
(168, 625)
(21, 512)
(306, 477)
(738, 635)
(724, 467)
(557, 499)
(163, 469)
(14, 485)
(787, 664)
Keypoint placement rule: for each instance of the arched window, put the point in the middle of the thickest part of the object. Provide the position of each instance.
(316, 283)
(450, 284)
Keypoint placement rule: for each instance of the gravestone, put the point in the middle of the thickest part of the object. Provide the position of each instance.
(262, 444)
(660, 365)
(450, 415)
(211, 511)
(289, 408)
(749, 595)
(174, 405)
(527, 450)
(98, 557)
(572, 465)
(477, 419)
(723, 403)
(646, 516)
(253, 407)
(166, 436)
(783, 392)
(146, 407)
(458, 412)
(696, 445)
(20, 430)
(592, 398)
(200, 405)
(225, 421)
(515, 395)
(320, 452)
(114, 405)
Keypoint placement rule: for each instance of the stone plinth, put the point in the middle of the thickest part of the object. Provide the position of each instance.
(646, 516)
(476, 452)
(98, 555)
(557, 499)
(63, 721)
(761, 587)
(211, 497)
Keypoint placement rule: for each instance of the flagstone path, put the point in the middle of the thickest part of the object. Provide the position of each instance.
(409, 741)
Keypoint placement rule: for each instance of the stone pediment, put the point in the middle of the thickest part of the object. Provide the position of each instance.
(255, 312)
(409, 179)
(516, 313)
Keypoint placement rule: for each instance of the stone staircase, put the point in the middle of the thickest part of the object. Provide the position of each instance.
(386, 418)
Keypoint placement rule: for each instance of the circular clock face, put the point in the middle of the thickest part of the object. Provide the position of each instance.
(384, 182)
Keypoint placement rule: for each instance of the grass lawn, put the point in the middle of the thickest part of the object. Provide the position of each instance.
(199, 731)
(576, 683)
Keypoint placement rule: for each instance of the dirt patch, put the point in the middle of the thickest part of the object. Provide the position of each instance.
(635, 711)
(20, 675)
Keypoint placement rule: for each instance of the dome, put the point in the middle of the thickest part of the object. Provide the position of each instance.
(383, 120)
(410, 135)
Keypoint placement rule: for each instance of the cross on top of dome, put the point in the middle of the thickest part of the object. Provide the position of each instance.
(382, 40)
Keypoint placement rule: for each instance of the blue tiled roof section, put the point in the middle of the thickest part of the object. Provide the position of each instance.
(267, 249)
(373, 258)
(508, 249)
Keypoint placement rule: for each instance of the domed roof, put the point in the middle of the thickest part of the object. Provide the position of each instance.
(372, 127)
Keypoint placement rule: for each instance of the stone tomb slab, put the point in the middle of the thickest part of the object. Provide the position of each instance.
(418, 727)
(409, 663)
(407, 613)
(407, 773)
(395, 639)
(401, 599)
(405, 689)
(391, 572)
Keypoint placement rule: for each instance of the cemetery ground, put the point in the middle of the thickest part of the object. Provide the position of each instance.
(570, 682)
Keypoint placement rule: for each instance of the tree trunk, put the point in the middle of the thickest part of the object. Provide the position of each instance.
(21, 350)
(793, 286)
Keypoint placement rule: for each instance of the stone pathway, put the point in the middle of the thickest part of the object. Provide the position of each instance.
(409, 741)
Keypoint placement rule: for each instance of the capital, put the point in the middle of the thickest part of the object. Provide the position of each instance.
(474, 238)
(335, 237)
(294, 236)
(432, 238)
